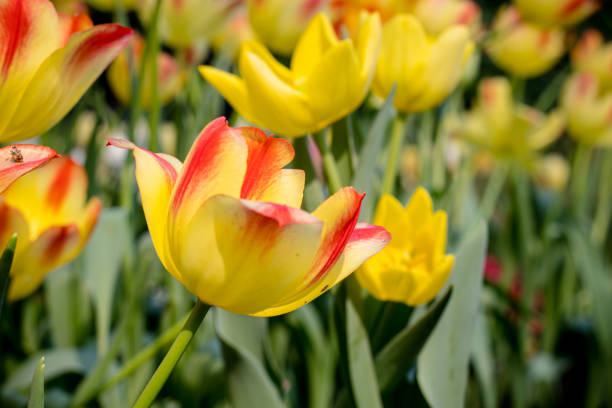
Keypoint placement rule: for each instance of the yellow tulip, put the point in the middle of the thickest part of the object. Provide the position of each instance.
(347, 13)
(413, 267)
(591, 54)
(46, 65)
(522, 48)
(438, 15)
(170, 77)
(505, 129)
(426, 69)
(553, 13)
(187, 22)
(328, 79)
(279, 23)
(42, 199)
(226, 223)
(588, 109)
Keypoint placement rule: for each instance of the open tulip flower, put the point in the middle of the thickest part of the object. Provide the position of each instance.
(507, 130)
(46, 65)
(426, 69)
(592, 54)
(328, 79)
(588, 109)
(43, 200)
(170, 76)
(413, 267)
(552, 13)
(227, 224)
(522, 48)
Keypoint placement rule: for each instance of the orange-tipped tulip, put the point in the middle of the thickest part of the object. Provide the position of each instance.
(43, 200)
(553, 13)
(227, 224)
(46, 65)
(592, 54)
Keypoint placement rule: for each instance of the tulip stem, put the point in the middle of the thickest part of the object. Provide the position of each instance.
(603, 213)
(580, 172)
(334, 181)
(492, 190)
(182, 340)
(153, 41)
(6, 261)
(395, 146)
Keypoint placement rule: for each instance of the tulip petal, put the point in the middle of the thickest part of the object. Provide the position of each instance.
(368, 46)
(276, 105)
(216, 164)
(17, 160)
(29, 33)
(419, 209)
(54, 247)
(390, 214)
(435, 282)
(262, 52)
(264, 180)
(243, 255)
(156, 177)
(71, 24)
(232, 88)
(333, 96)
(12, 221)
(64, 77)
(316, 40)
(365, 241)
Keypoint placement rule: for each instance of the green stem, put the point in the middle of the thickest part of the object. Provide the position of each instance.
(492, 190)
(425, 142)
(334, 181)
(6, 261)
(172, 357)
(518, 88)
(153, 42)
(580, 172)
(603, 213)
(397, 140)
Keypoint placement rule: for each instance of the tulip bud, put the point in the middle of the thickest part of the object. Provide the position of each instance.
(438, 15)
(522, 48)
(554, 13)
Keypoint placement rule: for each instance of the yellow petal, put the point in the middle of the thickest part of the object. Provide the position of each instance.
(232, 88)
(430, 288)
(419, 209)
(368, 46)
(316, 40)
(390, 214)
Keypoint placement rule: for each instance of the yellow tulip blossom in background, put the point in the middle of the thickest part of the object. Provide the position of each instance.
(592, 54)
(279, 23)
(438, 15)
(226, 223)
(553, 13)
(504, 128)
(588, 109)
(426, 69)
(413, 268)
(170, 76)
(522, 48)
(328, 79)
(47, 62)
(43, 200)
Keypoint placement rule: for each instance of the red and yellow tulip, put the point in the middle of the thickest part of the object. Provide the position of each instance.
(170, 76)
(226, 223)
(328, 79)
(413, 267)
(43, 200)
(592, 54)
(521, 47)
(553, 13)
(47, 62)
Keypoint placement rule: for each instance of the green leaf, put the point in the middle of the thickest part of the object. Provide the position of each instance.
(37, 389)
(5, 268)
(483, 362)
(102, 260)
(365, 174)
(396, 358)
(360, 361)
(243, 341)
(58, 363)
(443, 362)
(342, 147)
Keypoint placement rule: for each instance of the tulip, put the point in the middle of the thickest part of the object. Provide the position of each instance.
(236, 31)
(42, 199)
(438, 15)
(279, 23)
(187, 22)
(413, 267)
(589, 110)
(170, 77)
(328, 79)
(553, 13)
(591, 54)
(347, 14)
(505, 129)
(425, 69)
(109, 5)
(552, 172)
(46, 65)
(521, 47)
(226, 223)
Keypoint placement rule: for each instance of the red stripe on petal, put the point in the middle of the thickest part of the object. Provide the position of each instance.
(58, 240)
(71, 24)
(108, 35)
(60, 185)
(126, 144)
(281, 213)
(267, 156)
(15, 23)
